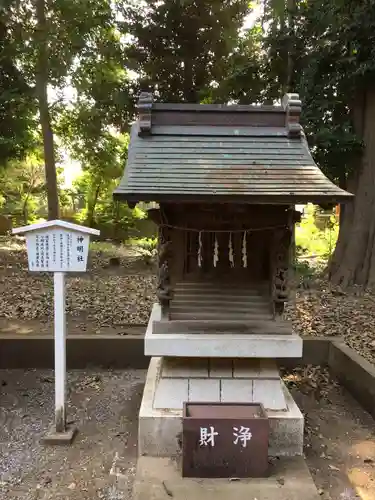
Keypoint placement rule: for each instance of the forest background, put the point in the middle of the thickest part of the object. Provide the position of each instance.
(71, 71)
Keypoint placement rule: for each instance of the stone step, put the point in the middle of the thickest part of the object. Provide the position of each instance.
(242, 284)
(155, 474)
(219, 299)
(222, 286)
(213, 292)
(191, 307)
(219, 315)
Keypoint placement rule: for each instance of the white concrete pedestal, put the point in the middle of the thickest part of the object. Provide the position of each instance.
(272, 340)
(169, 384)
(216, 367)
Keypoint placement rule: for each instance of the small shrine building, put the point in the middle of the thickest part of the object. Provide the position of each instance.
(226, 180)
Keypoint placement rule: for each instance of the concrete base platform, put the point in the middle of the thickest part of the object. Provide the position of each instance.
(160, 478)
(160, 425)
(218, 345)
(219, 380)
(60, 438)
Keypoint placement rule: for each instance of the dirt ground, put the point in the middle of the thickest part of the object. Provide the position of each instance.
(100, 465)
(339, 438)
(75, 326)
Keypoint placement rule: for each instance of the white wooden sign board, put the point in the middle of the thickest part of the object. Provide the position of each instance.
(57, 250)
(59, 247)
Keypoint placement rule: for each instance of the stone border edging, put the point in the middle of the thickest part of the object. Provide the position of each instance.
(83, 351)
(36, 351)
(355, 373)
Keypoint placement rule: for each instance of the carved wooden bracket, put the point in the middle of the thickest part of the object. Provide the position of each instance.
(280, 269)
(294, 216)
(164, 291)
(145, 110)
(293, 107)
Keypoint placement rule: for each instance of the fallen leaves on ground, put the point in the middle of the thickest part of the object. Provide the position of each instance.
(113, 300)
(105, 295)
(331, 312)
(314, 380)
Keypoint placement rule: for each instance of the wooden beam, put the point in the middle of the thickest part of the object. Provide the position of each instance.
(154, 215)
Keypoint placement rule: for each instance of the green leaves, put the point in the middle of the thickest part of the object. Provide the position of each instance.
(86, 72)
(22, 187)
(105, 51)
(182, 48)
(17, 103)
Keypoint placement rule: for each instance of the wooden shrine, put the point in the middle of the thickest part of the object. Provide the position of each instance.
(227, 179)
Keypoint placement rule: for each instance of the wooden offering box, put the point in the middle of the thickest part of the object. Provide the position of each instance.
(223, 440)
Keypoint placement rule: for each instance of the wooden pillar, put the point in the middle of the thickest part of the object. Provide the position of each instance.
(282, 259)
(164, 287)
(280, 268)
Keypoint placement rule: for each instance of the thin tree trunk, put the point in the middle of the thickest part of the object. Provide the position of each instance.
(354, 261)
(41, 82)
(25, 211)
(91, 214)
(291, 4)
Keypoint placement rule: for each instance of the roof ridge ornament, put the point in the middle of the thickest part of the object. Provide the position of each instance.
(144, 106)
(293, 108)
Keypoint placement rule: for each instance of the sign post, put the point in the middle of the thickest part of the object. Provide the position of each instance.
(58, 247)
(60, 351)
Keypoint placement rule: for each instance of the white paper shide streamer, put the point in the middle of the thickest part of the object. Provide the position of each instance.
(231, 253)
(200, 259)
(216, 251)
(244, 250)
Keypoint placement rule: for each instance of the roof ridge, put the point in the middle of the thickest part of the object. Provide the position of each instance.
(286, 115)
(218, 108)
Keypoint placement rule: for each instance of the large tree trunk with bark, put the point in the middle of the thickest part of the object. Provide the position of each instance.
(41, 82)
(354, 259)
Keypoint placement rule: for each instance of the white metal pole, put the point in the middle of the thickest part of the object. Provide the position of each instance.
(60, 351)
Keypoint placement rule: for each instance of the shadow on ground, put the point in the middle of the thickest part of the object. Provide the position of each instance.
(102, 404)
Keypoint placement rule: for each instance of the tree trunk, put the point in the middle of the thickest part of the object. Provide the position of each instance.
(41, 82)
(25, 211)
(91, 211)
(291, 6)
(346, 220)
(354, 258)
